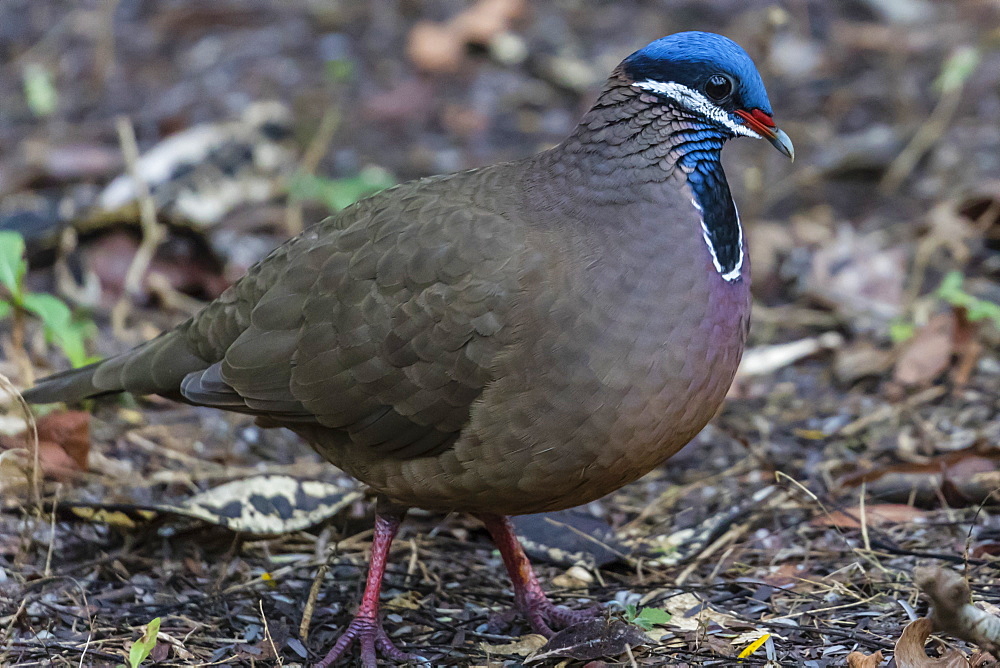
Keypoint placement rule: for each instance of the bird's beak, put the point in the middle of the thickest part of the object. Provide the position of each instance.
(763, 124)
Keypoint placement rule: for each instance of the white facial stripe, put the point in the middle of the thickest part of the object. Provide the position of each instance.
(735, 273)
(697, 103)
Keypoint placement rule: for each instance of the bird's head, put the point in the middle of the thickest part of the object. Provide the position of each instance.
(711, 77)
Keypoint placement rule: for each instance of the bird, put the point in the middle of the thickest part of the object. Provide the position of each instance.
(518, 338)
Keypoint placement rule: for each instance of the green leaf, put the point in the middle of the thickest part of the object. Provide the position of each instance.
(339, 71)
(337, 194)
(957, 69)
(57, 321)
(950, 289)
(952, 292)
(71, 342)
(142, 647)
(901, 330)
(51, 310)
(650, 617)
(4, 310)
(39, 90)
(12, 264)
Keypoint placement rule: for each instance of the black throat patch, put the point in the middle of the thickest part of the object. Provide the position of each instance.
(720, 221)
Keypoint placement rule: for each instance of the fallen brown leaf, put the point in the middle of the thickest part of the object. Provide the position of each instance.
(690, 613)
(69, 430)
(858, 277)
(859, 660)
(63, 443)
(875, 515)
(523, 646)
(439, 47)
(928, 353)
(55, 463)
(910, 649)
(860, 360)
(963, 478)
(968, 349)
(592, 639)
(15, 467)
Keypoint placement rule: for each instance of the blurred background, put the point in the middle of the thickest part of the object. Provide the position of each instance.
(150, 152)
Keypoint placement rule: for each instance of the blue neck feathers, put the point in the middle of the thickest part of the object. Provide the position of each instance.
(700, 150)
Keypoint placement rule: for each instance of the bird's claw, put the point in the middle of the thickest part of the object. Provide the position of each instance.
(542, 614)
(374, 642)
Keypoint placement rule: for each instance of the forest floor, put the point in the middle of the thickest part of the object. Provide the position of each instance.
(860, 440)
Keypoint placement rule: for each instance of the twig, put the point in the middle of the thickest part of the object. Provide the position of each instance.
(152, 232)
(172, 298)
(267, 633)
(86, 294)
(310, 607)
(864, 517)
(310, 161)
(936, 124)
(631, 657)
(888, 411)
(52, 531)
(29, 418)
(104, 51)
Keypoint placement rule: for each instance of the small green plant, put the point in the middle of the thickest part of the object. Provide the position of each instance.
(337, 194)
(646, 618)
(951, 292)
(142, 647)
(15, 301)
(39, 90)
(976, 309)
(901, 329)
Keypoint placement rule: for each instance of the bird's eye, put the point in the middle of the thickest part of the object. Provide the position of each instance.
(718, 87)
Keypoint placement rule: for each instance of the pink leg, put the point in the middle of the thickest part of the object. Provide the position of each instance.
(366, 627)
(529, 596)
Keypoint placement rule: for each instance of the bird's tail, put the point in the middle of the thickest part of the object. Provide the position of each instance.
(70, 386)
(155, 367)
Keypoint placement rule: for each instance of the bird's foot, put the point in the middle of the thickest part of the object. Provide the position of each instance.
(373, 640)
(543, 614)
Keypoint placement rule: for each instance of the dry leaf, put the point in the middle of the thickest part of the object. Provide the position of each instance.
(963, 477)
(576, 577)
(55, 462)
(434, 47)
(487, 18)
(858, 277)
(15, 480)
(928, 353)
(879, 514)
(523, 646)
(63, 443)
(681, 606)
(968, 349)
(593, 639)
(408, 601)
(440, 47)
(860, 360)
(910, 649)
(859, 660)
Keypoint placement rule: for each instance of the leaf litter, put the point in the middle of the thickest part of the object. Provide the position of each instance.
(863, 444)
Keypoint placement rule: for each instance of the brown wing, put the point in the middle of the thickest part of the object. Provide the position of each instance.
(382, 321)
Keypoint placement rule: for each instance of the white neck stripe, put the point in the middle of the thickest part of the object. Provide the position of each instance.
(698, 103)
(732, 275)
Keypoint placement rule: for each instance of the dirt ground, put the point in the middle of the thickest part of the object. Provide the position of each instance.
(860, 440)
